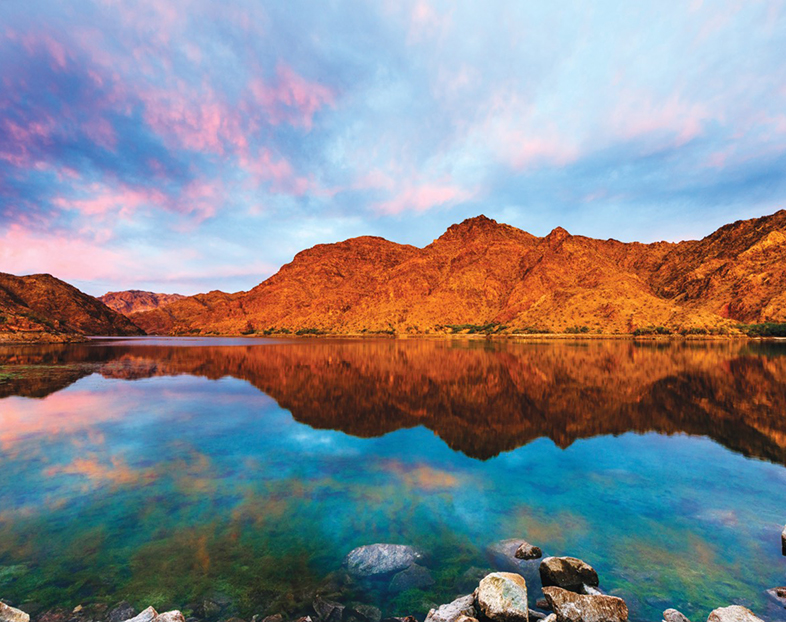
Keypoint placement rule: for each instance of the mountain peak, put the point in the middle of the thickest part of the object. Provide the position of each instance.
(475, 227)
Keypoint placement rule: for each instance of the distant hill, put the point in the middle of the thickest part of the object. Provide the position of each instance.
(481, 272)
(133, 301)
(43, 307)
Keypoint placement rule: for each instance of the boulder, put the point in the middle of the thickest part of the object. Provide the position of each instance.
(463, 606)
(537, 615)
(10, 614)
(470, 578)
(327, 610)
(148, 615)
(463, 618)
(502, 555)
(672, 615)
(121, 611)
(208, 609)
(170, 616)
(568, 573)
(365, 613)
(572, 607)
(734, 613)
(528, 551)
(502, 597)
(380, 559)
(778, 594)
(411, 578)
(552, 617)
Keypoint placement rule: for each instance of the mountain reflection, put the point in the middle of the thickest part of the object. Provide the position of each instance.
(480, 398)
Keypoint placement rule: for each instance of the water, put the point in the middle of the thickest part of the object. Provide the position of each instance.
(165, 471)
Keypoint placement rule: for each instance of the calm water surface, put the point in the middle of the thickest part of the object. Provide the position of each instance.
(165, 471)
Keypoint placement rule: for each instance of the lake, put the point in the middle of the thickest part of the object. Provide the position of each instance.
(169, 471)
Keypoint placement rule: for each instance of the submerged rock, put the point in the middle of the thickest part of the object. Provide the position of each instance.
(380, 559)
(364, 613)
(672, 615)
(463, 606)
(502, 597)
(734, 613)
(327, 610)
(572, 607)
(469, 580)
(568, 573)
(502, 555)
(413, 577)
(783, 541)
(779, 595)
(11, 614)
(121, 611)
(148, 615)
(528, 551)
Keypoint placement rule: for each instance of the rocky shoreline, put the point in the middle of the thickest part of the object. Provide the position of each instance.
(570, 586)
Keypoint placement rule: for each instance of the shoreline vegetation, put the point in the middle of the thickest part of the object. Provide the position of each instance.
(570, 590)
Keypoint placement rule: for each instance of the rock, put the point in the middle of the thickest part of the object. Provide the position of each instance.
(10, 614)
(120, 612)
(672, 615)
(463, 618)
(274, 618)
(571, 607)
(552, 617)
(170, 616)
(734, 613)
(463, 606)
(366, 613)
(778, 594)
(413, 577)
(536, 615)
(542, 603)
(207, 609)
(568, 573)
(502, 597)
(379, 559)
(783, 541)
(469, 580)
(148, 615)
(528, 551)
(328, 611)
(502, 555)
(304, 619)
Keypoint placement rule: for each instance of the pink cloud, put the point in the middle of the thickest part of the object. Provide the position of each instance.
(277, 171)
(291, 99)
(425, 196)
(638, 115)
(104, 200)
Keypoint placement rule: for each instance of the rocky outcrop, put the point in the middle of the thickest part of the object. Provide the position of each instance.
(528, 551)
(571, 607)
(569, 573)
(463, 607)
(11, 614)
(502, 597)
(734, 613)
(381, 559)
(481, 272)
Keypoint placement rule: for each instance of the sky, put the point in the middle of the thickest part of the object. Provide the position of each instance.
(190, 145)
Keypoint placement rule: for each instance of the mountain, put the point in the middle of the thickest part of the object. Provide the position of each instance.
(42, 307)
(133, 301)
(480, 272)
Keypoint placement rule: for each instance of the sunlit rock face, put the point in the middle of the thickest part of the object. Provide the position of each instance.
(481, 271)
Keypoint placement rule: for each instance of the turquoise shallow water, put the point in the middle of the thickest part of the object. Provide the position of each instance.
(164, 472)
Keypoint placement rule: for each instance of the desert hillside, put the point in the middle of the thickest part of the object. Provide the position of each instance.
(42, 307)
(481, 272)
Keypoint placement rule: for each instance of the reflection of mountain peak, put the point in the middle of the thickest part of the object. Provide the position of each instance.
(479, 400)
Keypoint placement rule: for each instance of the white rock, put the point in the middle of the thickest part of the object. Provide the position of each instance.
(377, 559)
(452, 612)
(10, 614)
(170, 616)
(502, 597)
(734, 613)
(148, 615)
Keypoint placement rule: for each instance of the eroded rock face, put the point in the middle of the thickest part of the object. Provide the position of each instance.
(11, 614)
(502, 597)
(571, 607)
(672, 615)
(452, 612)
(380, 559)
(569, 573)
(734, 613)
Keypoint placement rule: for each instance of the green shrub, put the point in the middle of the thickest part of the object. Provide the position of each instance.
(767, 329)
(574, 330)
(651, 330)
(309, 331)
